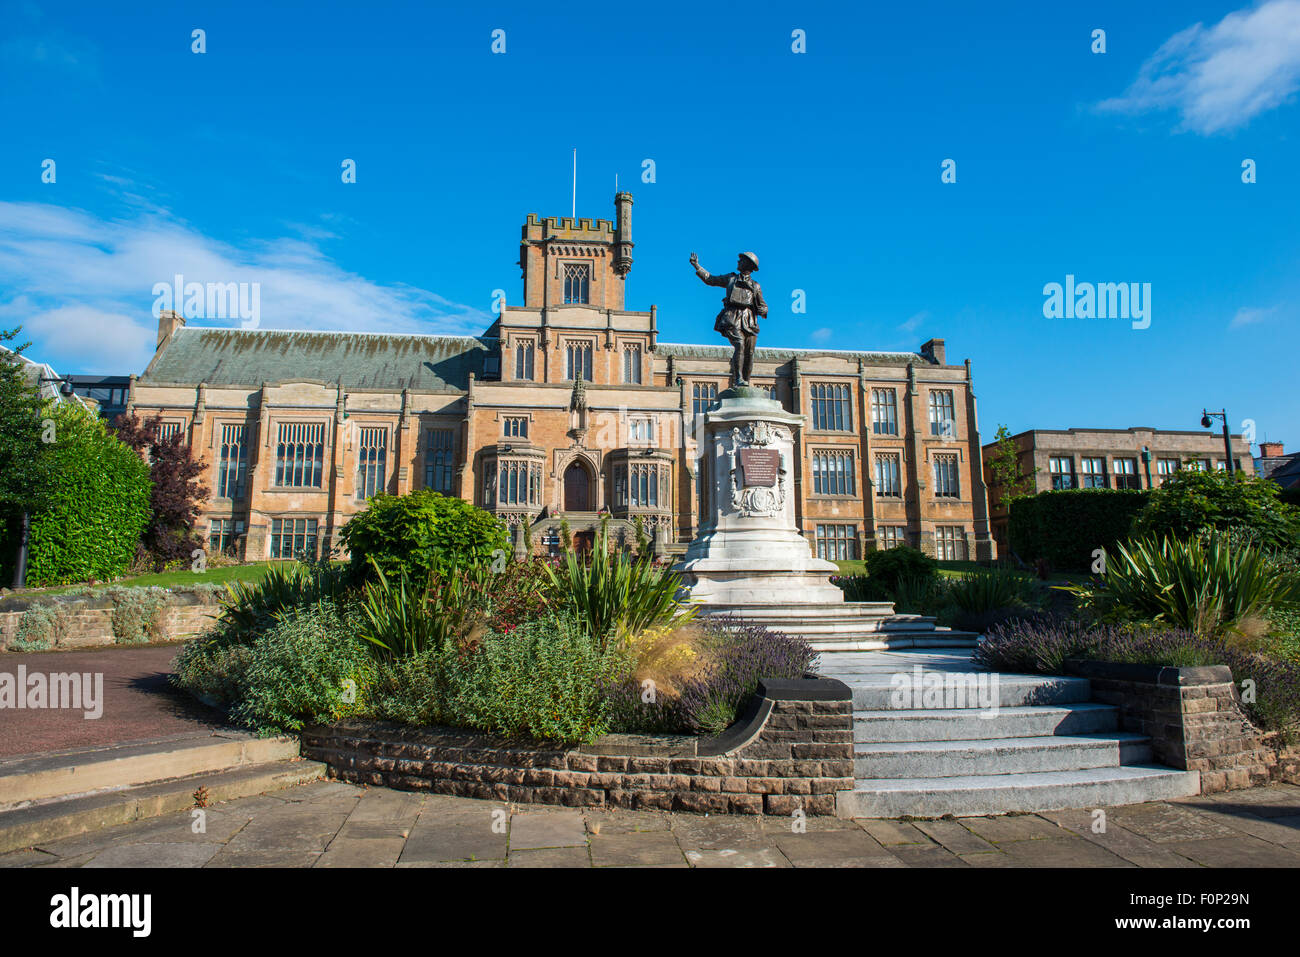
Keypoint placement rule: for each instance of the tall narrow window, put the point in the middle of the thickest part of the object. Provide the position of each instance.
(524, 359)
(232, 463)
(519, 483)
(943, 422)
(577, 283)
(832, 472)
(888, 478)
(300, 455)
(632, 364)
(372, 462)
(438, 460)
(945, 476)
(884, 412)
(703, 396)
(830, 407)
(577, 361)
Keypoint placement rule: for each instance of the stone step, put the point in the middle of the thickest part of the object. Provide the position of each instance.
(998, 756)
(56, 820)
(894, 641)
(969, 725)
(44, 777)
(1003, 793)
(874, 692)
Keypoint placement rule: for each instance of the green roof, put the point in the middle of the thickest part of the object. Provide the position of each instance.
(249, 357)
(683, 351)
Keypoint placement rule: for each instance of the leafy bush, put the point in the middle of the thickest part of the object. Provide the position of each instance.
(212, 669)
(248, 609)
(615, 595)
(96, 507)
(983, 598)
(1064, 527)
(1192, 503)
(889, 566)
(137, 614)
(41, 627)
(1209, 587)
(309, 667)
(422, 533)
(401, 618)
(1041, 646)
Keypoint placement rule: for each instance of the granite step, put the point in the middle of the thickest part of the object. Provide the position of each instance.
(1002, 793)
(967, 725)
(877, 693)
(999, 756)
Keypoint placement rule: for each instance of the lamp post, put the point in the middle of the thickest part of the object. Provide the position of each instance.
(1146, 463)
(1206, 415)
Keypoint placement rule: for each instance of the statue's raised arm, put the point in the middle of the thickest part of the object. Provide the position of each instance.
(741, 307)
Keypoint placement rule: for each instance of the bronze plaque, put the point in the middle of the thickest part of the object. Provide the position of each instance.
(760, 466)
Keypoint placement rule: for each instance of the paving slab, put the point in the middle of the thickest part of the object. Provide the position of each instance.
(535, 829)
(953, 836)
(1162, 823)
(930, 855)
(893, 832)
(435, 843)
(636, 849)
(346, 851)
(550, 857)
(1013, 827)
(618, 821)
(1119, 841)
(738, 857)
(834, 849)
(1061, 852)
(154, 855)
(1242, 851)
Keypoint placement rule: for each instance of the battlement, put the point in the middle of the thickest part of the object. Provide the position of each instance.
(591, 256)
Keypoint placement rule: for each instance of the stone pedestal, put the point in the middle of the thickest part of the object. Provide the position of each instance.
(749, 550)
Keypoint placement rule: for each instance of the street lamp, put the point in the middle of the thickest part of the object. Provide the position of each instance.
(1206, 415)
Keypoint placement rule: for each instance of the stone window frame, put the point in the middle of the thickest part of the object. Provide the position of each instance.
(884, 538)
(891, 407)
(946, 454)
(843, 540)
(627, 347)
(517, 418)
(835, 408)
(226, 539)
(1088, 478)
(432, 452)
(221, 463)
(563, 266)
(951, 535)
(589, 361)
(320, 467)
(312, 522)
(938, 405)
(518, 344)
(849, 473)
(1058, 478)
(372, 461)
(630, 417)
(1120, 476)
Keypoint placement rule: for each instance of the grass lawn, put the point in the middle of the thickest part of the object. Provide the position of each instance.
(213, 576)
(952, 570)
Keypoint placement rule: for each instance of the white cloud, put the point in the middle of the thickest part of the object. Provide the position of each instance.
(820, 335)
(1220, 77)
(82, 286)
(913, 322)
(1249, 316)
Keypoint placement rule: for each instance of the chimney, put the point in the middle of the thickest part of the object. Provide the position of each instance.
(1270, 450)
(933, 350)
(623, 233)
(168, 322)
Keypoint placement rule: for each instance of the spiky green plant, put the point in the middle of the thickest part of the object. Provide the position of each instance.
(1211, 586)
(615, 595)
(248, 608)
(401, 618)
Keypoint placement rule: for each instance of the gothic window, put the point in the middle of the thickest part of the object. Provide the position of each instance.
(372, 462)
(232, 463)
(300, 455)
(438, 460)
(577, 283)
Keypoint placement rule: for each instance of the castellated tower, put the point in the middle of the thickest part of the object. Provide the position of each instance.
(577, 262)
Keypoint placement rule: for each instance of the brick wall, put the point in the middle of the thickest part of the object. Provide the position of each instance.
(791, 749)
(88, 619)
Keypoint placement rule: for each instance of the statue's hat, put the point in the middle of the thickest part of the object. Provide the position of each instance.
(752, 257)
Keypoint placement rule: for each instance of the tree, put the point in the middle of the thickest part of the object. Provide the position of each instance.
(1192, 502)
(1004, 464)
(178, 495)
(26, 467)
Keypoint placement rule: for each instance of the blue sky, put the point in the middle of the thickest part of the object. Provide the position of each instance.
(1123, 166)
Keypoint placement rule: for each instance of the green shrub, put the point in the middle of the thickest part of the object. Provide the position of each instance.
(1195, 503)
(42, 627)
(214, 670)
(888, 566)
(422, 533)
(248, 609)
(614, 595)
(96, 507)
(1210, 587)
(309, 667)
(983, 598)
(137, 614)
(1065, 527)
(401, 618)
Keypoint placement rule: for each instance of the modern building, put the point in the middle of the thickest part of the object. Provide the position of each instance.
(1279, 466)
(51, 386)
(109, 392)
(1139, 457)
(568, 405)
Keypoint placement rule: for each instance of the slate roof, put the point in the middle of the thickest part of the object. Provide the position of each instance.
(684, 351)
(1282, 469)
(249, 357)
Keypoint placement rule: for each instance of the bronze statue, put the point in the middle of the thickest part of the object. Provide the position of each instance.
(741, 307)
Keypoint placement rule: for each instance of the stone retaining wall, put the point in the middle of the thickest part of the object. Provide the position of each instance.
(792, 749)
(1195, 721)
(86, 621)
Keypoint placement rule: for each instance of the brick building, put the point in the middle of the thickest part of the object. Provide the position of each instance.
(568, 405)
(1137, 458)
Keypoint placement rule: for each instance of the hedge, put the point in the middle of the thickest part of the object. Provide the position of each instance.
(98, 505)
(1066, 526)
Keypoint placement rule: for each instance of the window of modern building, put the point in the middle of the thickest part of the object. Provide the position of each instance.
(888, 475)
(515, 426)
(949, 543)
(372, 462)
(831, 411)
(438, 460)
(943, 421)
(232, 463)
(577, 283)
(1093, 471)
(1126, 473)
(640, 429)
(884, 412)
(224, 535)
(1061, 469)
(837, 542)
(945, 477)
(632, 364)
(577, 360)
(891, 536)
(524, 353)
(704, 395)
(293, 537)
(833, 472)
(1166, 468)
(300, 454)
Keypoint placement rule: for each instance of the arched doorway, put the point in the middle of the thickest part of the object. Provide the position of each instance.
(577, 488)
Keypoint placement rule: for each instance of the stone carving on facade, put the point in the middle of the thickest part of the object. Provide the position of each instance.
(750, 495)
